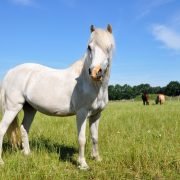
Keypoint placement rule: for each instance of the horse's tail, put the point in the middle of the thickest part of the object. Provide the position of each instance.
(14, 134)
(13, 131)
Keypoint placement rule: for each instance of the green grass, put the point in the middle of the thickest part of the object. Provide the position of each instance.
(136, 142)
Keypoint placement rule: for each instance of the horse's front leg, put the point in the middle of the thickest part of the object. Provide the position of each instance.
(81, 126)
(94, 124)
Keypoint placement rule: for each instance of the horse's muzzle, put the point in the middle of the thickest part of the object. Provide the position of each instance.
(96, 73)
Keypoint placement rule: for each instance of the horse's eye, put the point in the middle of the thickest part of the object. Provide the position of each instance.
(89, 48)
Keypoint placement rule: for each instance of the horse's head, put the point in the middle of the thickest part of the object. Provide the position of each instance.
(99, 52)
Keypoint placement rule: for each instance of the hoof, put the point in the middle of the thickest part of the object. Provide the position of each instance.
(97, 158)
(83, 167)
(26, 153)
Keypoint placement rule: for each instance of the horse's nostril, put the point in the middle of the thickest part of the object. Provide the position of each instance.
(99, 72)
(89, 71)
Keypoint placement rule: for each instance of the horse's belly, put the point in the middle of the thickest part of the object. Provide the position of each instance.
(56, 112)
(53, 110)
(51, 103)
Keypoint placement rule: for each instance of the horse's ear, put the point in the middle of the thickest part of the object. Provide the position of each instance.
(92, 28)
(109, 28)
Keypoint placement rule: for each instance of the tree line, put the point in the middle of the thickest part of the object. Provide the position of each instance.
(118, 92)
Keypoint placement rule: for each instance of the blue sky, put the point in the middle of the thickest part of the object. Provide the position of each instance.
(55, 33)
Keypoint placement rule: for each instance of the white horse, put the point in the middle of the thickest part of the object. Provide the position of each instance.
(81, 90)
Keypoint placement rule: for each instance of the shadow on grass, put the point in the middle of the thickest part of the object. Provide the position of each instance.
(65, 152)
(7, 147)
(39, 144)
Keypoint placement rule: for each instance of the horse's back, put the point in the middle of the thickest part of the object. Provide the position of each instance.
(17, 77)
(42, 87)
(28, 67)
(23, 69)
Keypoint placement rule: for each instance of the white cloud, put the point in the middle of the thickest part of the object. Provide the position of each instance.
(23, 2)
(169, 37)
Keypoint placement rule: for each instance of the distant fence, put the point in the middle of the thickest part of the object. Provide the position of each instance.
(173, 98)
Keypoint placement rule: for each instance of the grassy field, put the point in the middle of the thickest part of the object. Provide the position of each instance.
(136, 142)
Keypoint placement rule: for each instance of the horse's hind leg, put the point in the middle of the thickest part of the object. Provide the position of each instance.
(29, 113)
(7, 119)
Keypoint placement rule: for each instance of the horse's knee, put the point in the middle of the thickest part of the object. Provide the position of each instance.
(82, 140)
(94, 139)
(3, 128)
(24, 132)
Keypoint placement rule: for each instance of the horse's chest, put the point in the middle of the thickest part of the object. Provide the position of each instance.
(100, 102)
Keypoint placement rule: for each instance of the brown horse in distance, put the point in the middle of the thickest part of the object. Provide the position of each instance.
(145, 98)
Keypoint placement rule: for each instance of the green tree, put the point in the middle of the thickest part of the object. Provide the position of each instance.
(127, 92)
(111, 92)
(173, 88)
(118, 91)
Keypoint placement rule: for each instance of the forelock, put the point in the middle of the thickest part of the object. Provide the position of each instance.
(103, 39)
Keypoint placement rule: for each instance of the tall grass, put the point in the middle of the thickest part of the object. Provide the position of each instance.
(136, 142)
